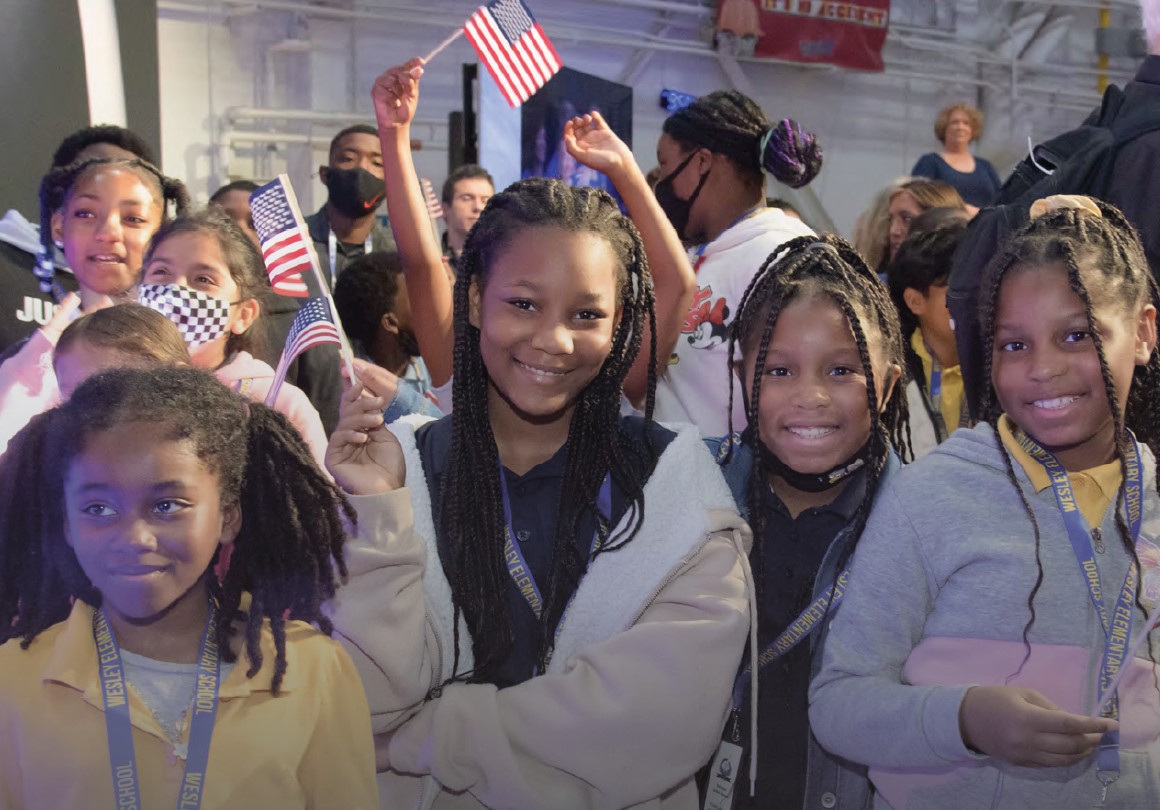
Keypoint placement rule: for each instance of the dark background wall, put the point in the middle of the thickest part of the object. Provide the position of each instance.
(42, 86)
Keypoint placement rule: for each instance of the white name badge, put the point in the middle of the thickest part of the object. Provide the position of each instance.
(723, 777)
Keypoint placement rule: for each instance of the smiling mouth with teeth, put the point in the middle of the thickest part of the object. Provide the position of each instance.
(540, 372)
(1054, 404)
(811, 433)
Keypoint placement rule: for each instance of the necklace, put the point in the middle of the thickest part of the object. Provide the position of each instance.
(174, 732)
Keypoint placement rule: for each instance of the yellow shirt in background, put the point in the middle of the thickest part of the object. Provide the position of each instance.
(1094, 489)
(310, 747)
(951, 405)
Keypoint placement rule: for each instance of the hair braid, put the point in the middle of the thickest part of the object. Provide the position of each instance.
(470, 520)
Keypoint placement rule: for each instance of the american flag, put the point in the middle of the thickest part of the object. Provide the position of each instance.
(286, 247)
(434, 207)
(313, 326)
(514, 48)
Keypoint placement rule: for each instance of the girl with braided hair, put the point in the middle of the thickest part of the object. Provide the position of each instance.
(114, 626)
(818, 353)
(102, 212)
(713, 156)
(559, 585)
(1002, 582)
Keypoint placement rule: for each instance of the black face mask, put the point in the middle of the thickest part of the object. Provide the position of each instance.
(676, 209)
(354, 192)
(815, 482)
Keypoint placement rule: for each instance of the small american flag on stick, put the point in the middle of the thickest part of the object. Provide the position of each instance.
(434, 207)
(516, 51)
(314, 325)
(286, 246)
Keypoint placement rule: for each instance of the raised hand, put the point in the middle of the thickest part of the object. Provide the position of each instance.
(363, 456)
(396, 94)
(64, 315)
(1022, 727)
(590, 140)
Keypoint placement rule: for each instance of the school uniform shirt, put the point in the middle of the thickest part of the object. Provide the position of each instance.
(793, 550)
(23, 307)
(938, 601)
(636, 693)
(310, 747)
(253, 378)
(930, 425)
(694, 387)
(318, 224)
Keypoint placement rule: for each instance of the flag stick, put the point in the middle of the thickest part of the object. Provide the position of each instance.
(1149, 625)
(442, 45)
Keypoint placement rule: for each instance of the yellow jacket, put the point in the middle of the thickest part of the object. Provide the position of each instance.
(310, 747)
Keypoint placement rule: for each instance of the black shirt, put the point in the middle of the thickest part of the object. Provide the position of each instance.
(535, 498)
(318, 224)
(23, 307)
(793, 552)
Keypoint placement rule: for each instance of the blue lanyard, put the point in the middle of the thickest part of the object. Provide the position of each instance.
(699, 252)
(798, 631)
(1119, 628)
(519, 570)
(122, 758)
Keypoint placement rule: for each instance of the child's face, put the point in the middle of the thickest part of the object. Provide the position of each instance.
(83, 360)
(1045, 368)
(107, 221)
(813, 412)
(195, 260)
(546, 319)
(934, 319)
(144, 516)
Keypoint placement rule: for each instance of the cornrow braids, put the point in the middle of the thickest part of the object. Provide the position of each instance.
(57, 185)
(288, 550)
(1101, 255)
(470, 520)
(824, 266)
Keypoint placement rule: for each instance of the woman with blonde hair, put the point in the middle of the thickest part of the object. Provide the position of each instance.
(974, 178)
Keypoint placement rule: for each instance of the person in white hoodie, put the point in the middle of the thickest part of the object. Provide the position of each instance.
(713, 156)
(204, 274)
(550, 600)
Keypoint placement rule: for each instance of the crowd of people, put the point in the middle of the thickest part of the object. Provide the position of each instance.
(681, 506)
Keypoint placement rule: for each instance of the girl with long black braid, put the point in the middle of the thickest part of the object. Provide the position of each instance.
(818, 353)
(215, 694)
(993, 639)
(560, 584)
(102, 212)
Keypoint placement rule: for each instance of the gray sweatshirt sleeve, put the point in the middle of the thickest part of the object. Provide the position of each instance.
(859, 707)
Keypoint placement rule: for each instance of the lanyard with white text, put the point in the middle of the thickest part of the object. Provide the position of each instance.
(798, 630)
(1117, 627)
(122, 758)
(518, 569)
(332, 254)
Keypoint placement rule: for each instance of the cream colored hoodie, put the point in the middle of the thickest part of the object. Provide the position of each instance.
(634, 698)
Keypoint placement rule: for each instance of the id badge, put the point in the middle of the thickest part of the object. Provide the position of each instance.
(723, 777)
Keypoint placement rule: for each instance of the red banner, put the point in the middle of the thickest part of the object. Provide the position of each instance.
(848, 34)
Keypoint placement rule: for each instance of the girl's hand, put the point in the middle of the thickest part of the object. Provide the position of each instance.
(1022, 727)
(64, 315)
(376, 378)
(363, 456)
(396, 94)
(590, 140)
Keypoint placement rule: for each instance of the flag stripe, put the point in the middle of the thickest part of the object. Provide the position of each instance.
(510, 59)
(497, 68)
(532, 54)
(546, 48)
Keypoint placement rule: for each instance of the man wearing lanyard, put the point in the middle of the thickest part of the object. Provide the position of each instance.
(346, 226)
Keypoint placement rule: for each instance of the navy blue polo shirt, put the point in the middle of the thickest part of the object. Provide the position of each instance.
(535, 498)
(793, 549)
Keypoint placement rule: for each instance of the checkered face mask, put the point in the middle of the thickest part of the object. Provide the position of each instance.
(199, 317)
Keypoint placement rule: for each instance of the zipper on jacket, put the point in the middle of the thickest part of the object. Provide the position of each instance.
(437, 680)
(1098, 540)
(676, 572)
